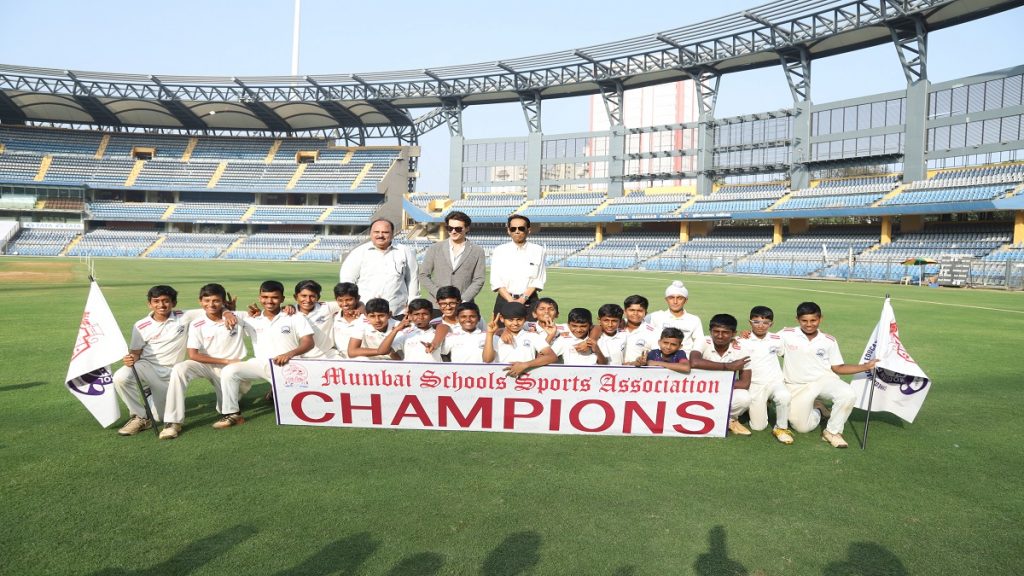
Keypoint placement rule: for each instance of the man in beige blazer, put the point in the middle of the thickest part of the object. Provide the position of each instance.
(454, 262)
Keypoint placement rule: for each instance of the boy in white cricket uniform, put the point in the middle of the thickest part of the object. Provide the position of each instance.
(350, 319)
(612, 340)
(676, 316)
(527, 349)
(813, 363)
(577, 347)
(448, 299)
(417, 341)
(374, 339)
(211, 346)
(641, 337)
(276, 337)
(321, 317)
(722, 351)
(157, 344)
(466, 346)
(766, 379)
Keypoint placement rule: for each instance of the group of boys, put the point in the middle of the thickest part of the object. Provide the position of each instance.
(345, 328)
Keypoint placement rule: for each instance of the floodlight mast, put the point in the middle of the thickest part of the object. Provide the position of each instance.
(295, 37)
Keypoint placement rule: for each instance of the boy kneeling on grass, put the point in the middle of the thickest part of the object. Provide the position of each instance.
(721, 351)
(811, 372)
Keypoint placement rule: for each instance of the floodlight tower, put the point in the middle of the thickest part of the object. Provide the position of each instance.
(295, 38)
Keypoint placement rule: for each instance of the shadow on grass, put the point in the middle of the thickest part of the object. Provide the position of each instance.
(22, 386)
(879, 417)
(191, 557)
(345, 556)
(202, 410)
(867, 559)
(517, 554)
(716, 561)
(422, 564)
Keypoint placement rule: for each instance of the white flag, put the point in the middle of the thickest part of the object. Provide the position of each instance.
(899, 383)
(99, 344)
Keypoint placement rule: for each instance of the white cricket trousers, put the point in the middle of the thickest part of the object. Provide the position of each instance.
(760, 393)
(805, 418)
(183, 373)
(236, 379)
(154, 377)
(740, 403)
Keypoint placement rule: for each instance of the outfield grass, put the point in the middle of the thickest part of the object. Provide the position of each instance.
(939, 496)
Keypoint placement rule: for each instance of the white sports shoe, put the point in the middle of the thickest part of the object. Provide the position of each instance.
(134, 425)
(170, 431)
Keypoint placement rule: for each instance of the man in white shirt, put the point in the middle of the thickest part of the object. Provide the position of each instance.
(676, 316)
(382, 269)
(276, 337)
(518, 271)
(811, 371)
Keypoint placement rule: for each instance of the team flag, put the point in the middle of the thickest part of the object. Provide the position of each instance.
(99, 344)
(899, 383)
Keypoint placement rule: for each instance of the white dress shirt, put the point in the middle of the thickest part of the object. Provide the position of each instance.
(389, 274)
(516, 268)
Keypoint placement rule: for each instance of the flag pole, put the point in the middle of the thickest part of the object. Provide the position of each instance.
(871, 397)
(145, 400)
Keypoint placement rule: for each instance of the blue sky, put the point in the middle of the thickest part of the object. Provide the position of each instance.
(236, 38)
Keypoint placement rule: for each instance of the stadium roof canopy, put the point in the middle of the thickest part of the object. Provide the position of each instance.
(378, 103)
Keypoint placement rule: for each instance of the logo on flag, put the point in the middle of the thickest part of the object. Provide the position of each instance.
(897, 384)
(99, 344)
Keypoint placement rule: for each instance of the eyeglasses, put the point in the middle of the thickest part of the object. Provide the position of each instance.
(761, 322)
(445, 304)
(458, 229)
(518, 228)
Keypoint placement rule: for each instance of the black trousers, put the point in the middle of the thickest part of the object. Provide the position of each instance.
(531, 302)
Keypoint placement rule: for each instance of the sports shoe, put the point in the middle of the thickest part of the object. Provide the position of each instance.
(836, 440)
(135, 425)
(782, 435)
(820, 407)
(738, 429)
(170, 431)
(228, 421)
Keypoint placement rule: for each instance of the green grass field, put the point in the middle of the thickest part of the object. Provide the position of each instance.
(939, 496)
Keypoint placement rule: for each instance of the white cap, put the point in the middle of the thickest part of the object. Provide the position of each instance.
(677, 289)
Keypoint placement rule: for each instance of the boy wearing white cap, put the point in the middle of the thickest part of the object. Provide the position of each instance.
(676, 296)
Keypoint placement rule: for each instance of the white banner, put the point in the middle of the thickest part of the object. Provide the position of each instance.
(99, 344)
(899, 383)
(555, 399)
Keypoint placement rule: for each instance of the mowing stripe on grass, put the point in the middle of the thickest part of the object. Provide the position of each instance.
(825, 292)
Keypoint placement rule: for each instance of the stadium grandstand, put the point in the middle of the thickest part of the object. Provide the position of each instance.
(922, 184)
